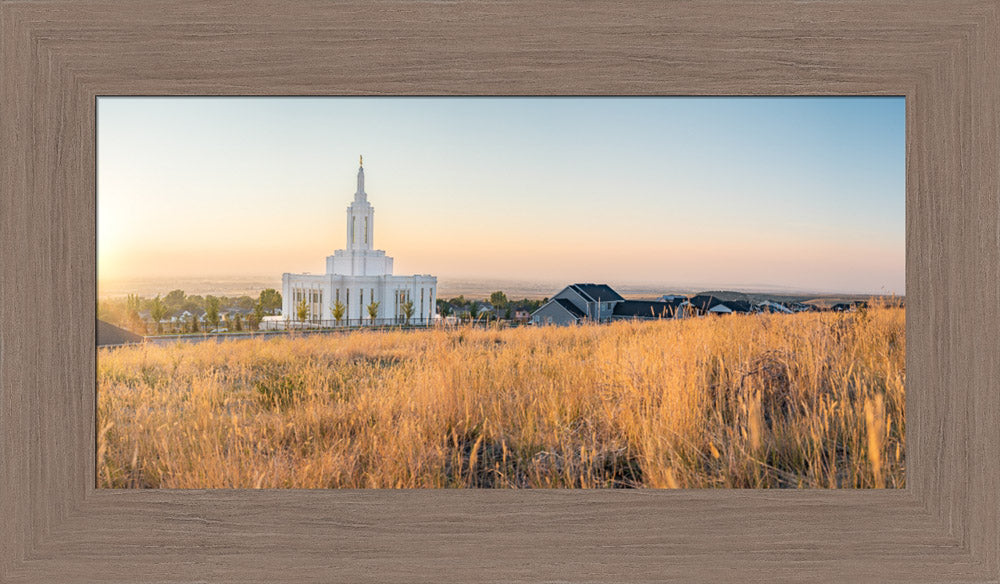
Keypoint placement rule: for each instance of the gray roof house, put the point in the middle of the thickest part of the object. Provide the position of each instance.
(672, 297)
(558, 311)
(769, 306)
(600, 303)
(577, 302)
(646, 309)
(741, 306)
(705, 304)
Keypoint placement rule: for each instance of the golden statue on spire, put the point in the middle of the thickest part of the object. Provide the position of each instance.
(361, 160)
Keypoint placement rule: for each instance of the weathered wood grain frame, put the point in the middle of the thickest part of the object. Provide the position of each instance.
(56, 56)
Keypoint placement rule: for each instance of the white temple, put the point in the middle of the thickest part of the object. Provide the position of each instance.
(358, 276)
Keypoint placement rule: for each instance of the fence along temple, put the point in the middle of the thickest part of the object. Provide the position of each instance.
(357, 276)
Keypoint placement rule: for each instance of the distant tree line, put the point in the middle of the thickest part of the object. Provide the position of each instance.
(197, 313)
(188, 313)
(496, 307)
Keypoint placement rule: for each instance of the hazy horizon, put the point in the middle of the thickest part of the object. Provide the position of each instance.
(796, 194)
(448, 287)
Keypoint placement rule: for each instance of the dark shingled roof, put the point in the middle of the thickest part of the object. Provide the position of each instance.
(704, 301)
(738, 305)
(597, 292)
(570, 307)
(110, 335)
(645, 308)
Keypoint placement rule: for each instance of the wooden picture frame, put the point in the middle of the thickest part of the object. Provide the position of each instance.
(57, 56)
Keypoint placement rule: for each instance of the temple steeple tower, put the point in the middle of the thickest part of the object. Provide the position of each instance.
(360, 194)
(360, 217)
(360, 278)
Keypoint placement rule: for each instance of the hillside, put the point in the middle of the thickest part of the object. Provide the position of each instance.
(805, 400)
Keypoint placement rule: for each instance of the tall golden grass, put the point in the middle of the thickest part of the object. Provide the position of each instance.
(805, 400)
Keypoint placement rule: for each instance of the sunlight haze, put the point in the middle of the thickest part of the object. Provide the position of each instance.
(798, 193)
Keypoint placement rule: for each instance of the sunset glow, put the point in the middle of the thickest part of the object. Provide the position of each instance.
(798, 193)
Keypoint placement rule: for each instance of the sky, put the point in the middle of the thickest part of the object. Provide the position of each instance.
(803, 194)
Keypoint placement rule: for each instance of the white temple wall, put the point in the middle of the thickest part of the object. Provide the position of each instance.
(356, 293)
(359, 263)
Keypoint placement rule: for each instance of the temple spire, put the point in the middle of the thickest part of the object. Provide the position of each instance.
(360, 217)
(360, 194)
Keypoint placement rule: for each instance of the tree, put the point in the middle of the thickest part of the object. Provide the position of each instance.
(373, 311)
(212, 311)
(444, 308)
(473, 311)
(407, 308)
(228, 321)
(238, 322)
(244, 302)
(158, 310)
(498, 299)
(174, 299)
(256, 317)
(270, 299)
(337, 310)
(302, 310)
(132, 304)
(194, 303)
(194, 323)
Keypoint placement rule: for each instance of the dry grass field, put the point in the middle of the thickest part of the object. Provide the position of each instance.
(805, 400)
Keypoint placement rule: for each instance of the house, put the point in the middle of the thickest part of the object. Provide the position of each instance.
(598, 300)
(558, 311)
(849, 306)
(487, 310)
(739, 306)
(768, 306)
(600, 303)
(109, 335)
(577, 302)
(705, 304)
(188, 316)
(482, 309)
(521, 314)
(647, 309)
(672, 298)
